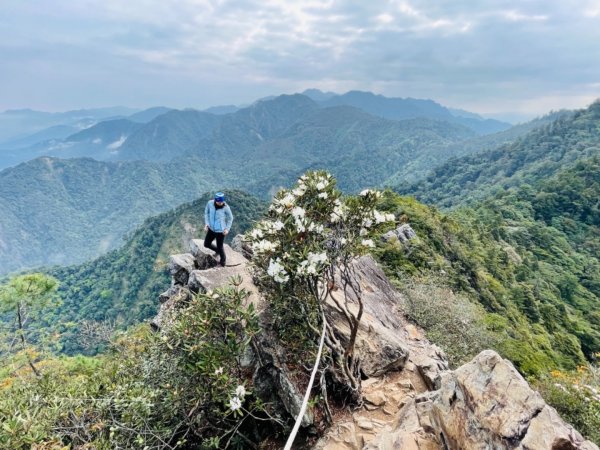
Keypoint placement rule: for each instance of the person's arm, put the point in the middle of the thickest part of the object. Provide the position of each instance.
(207, 215)
(228, 218)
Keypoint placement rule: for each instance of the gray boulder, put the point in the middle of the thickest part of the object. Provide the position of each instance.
(204, 257)
(180, 266)
(403, 233)
(239, 245)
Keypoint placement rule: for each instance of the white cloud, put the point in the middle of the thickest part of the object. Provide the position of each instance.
(516, 16)
(202, 52)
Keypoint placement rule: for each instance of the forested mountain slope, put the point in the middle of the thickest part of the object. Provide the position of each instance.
(534, 157)
(122, 286)
(58, 211)
(530, 256)
(65, 211)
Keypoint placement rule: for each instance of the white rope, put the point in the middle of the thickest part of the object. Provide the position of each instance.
(290, 441)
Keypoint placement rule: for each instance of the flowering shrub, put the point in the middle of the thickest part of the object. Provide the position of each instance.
(209, 338)
(576, 396)
(304, 249)
(185, 387)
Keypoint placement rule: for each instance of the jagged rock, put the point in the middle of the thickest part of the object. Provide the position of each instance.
(195, 282)
(378, 343)
(273, 377)
(205, 258)
(406, 432)
(403, 233)
(345, 438)
(239, 245)
(431, 363)
(486, 403)
(376, 398)
(389, 236)
(180, 266)
(171, 300)
(483, 404)
(173, 290)
(548, 431)
(406, 231)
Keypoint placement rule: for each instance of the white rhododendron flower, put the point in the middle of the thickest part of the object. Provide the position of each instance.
(298, 212)
(288, 200)
(321, 185)
(256, 233)
(379, 217)
(240, 391)
(363, 232)
(310, 265)
(339, 212)
(366, 192)
(277, 208)
(235, 403)
(367, 223)
(277, 225)
(300, 190)
(314, 227)
(219, 371)
(322, 195)
(264, 246)
(317, 258)
(368, 243)
(305, 268)
(277, 271)
(390, 217)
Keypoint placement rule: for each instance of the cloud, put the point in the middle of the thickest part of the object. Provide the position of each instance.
(487, 55)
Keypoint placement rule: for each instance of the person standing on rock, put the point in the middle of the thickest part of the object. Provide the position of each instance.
(217, 223)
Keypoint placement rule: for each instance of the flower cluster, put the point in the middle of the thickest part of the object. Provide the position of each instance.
(310, 225)
(339, 211)
(235, 402)
(370, 193)
(277, 271)
(312, 263)
(264, 246)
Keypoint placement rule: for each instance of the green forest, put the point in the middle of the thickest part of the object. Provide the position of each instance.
(531, 158)
(528, 256)
(508, 240)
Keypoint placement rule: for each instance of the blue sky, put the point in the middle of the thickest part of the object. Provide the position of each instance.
(494, 57)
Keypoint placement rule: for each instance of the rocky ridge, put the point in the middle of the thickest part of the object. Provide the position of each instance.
(412, 400)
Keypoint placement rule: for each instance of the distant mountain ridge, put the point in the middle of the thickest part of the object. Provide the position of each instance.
(80, 208)
(58, 211)
(180, 154)
(51, 141)
(541, 153)
(18, 123)
(408, 108)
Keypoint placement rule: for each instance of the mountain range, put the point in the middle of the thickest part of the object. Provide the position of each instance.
(64, 211)
(60, 211)
(61, 138)
(535, 156)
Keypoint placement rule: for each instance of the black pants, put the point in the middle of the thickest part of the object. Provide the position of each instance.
(210, 236)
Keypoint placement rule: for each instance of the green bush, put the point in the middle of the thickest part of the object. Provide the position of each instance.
(449, 319)
(576, 397)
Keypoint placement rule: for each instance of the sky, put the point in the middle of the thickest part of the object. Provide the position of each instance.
(507, 59)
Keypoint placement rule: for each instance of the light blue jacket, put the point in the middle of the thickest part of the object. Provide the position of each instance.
(218, 220)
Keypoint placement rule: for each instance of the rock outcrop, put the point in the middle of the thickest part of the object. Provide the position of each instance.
(411, 398)
(403, 233)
